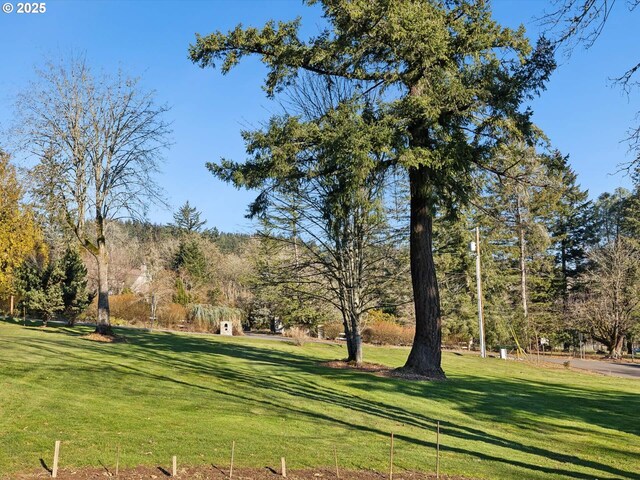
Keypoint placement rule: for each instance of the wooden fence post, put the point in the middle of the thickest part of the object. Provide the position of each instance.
(438, 451)
(391, 459)
(56, 455)
(233, 447)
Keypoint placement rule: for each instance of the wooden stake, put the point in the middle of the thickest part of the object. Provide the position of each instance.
(117, 460)
(391, 459)
(174, 471)
(56, 455)
(11, 307)
(438, 451)
(233, 447)
(284, 467)
(335, 457)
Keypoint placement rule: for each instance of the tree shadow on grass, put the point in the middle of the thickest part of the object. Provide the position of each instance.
(57, 327)
(164, 471)
(496, 399)
(45, 466)
(491, 396)
(315, 392)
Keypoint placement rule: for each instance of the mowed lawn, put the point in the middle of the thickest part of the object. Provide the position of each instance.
(164, 394)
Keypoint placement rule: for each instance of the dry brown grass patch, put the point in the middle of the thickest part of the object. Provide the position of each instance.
(379, 370)
(364, 366)
(98, 337)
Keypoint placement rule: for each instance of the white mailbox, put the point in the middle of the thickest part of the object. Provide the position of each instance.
(226, 328)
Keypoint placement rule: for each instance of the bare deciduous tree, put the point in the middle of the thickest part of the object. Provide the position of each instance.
(324, 201)
(609, 307)
(98, 141)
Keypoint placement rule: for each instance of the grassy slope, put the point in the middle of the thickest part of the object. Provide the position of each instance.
(187, 395)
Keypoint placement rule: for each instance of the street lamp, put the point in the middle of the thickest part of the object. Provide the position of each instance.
(475, 248)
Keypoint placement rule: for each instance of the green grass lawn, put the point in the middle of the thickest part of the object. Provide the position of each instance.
(165, 394)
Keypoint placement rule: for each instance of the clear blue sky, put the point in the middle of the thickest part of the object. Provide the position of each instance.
(583, 114)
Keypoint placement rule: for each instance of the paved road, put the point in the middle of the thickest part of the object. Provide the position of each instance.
(628, 370)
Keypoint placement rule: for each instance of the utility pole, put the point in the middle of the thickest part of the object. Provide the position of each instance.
(475, 247)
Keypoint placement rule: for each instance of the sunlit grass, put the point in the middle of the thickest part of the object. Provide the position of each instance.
(165, 394)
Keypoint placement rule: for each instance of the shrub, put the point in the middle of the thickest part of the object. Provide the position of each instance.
(130, 308)
(171, 315)
(207, 318)
(40, 285)
(383, 332)
(75, 296)
(297, 334)
(376, 315)
(182, 296)
(332, 330)
(117, 322)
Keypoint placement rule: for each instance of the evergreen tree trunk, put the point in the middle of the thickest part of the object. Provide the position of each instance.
(425, 357)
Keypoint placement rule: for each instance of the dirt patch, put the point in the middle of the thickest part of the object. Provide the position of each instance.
(363, 367)
(212, 472)
(98, 337)
(380, 370)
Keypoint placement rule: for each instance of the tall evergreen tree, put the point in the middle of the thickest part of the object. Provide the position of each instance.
(190, 259)
(611, 217)
(187, 219)
(75, 297)
(633, 206)
(456, 277)
(522, 207)
(39, 282)
(461, 77)
(570, 230)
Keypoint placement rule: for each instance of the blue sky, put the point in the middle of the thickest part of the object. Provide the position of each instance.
(582, 112)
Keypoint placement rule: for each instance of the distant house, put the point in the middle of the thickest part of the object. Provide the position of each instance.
(139, 280)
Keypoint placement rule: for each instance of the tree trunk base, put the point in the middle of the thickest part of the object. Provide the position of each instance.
(413, 373)
(105, 330)
(353, 362)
